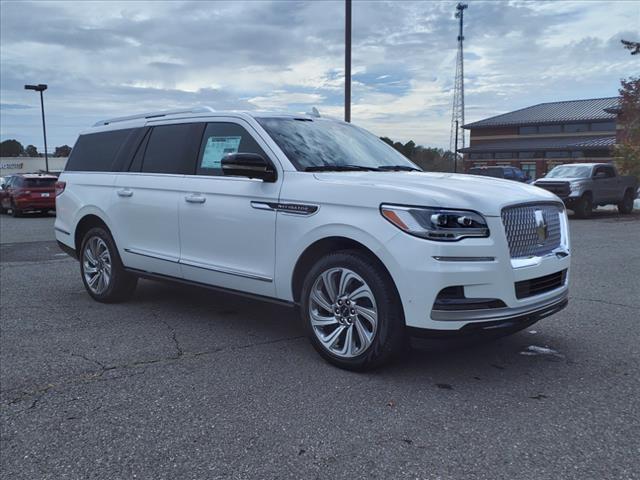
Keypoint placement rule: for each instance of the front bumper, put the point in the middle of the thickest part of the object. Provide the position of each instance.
(499, 319)
(484, 270)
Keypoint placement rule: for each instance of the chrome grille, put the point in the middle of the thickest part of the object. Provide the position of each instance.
(522, 230)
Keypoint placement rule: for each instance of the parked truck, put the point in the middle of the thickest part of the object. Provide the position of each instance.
(583, 186)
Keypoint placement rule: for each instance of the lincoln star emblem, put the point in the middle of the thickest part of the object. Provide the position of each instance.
(541, 227)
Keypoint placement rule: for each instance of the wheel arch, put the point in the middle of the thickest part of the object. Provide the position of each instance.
(87, 222)
(323, 246)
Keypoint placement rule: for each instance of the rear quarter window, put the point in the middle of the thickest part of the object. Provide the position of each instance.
(96, 152)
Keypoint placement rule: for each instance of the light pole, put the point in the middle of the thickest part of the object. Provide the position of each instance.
(41, 87)
(347, 61)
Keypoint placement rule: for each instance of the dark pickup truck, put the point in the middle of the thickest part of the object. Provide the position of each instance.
(583, 186)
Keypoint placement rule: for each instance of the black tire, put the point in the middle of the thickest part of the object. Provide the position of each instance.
(583, 208)
(122, 284)
(15, 212)
(390, 335)
(626, 205)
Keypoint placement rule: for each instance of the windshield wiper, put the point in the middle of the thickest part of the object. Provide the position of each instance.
(339, 168)
(399, 168)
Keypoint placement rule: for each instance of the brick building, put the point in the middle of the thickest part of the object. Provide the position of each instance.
(537, 138)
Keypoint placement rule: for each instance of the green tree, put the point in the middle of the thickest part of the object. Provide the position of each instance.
(31, 151)
(63, 151)
(627, 151)
(11, 148)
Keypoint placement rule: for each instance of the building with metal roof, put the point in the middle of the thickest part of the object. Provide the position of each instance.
(539, 137)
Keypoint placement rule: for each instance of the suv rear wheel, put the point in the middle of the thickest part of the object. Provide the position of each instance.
(103, 274)
(626, 205)
(352, 312)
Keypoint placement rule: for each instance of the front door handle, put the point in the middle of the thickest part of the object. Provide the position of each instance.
(193, 198)
(125, 192)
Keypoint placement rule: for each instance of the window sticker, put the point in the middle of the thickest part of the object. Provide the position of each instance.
(216, 148)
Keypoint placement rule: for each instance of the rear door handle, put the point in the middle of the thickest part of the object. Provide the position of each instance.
(193, 198)
(125, 192)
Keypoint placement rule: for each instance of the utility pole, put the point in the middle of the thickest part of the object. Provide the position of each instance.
(347, 61)
(41, 87)
(457, 114)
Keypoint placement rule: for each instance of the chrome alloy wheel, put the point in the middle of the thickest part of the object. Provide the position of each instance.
(96, 265)
(343, 312)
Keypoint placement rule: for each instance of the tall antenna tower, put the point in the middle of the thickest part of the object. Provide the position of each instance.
(457, 116)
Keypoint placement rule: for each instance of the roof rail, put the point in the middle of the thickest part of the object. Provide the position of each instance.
(154, 115)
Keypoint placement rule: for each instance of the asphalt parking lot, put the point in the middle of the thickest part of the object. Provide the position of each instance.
(190, 384)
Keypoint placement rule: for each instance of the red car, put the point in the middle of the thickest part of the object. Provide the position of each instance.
(28, 192)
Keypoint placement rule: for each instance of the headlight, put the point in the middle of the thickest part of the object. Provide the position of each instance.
(574, 185)
(436, 223)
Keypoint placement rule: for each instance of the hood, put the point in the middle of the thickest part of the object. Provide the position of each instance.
(486, 195)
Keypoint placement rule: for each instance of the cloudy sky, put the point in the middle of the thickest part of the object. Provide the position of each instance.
(105, 59)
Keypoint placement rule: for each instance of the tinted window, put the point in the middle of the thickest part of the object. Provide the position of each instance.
(528, 130)
(605, 169)
(526, 155)
(550, 129)
(495, 172)
(221, 139)
(172, 149)
(504, 155)
(96, 152)
(39, 182)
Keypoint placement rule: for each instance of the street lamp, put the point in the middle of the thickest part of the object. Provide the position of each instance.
(41, 87)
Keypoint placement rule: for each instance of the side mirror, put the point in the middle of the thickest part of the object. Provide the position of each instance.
(251, 165)
(600, 175)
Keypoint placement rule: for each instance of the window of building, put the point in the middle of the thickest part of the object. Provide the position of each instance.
(603, 127)
(529, 170)
(172, 148)
(526, 155)
(559, 154)
(577, 154)
(221, 139)
(550, 129)
(576, 127)
(504, 155)
(528, 130)
(486, 156)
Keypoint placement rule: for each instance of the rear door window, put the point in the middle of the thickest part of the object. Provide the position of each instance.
(96, 152)
(39, 182)
(172, 149)
(221, 139)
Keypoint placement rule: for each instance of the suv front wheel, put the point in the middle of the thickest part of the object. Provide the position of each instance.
(103, 274)
(352, 312)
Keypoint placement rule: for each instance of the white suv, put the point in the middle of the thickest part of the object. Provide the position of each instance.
(314, 213)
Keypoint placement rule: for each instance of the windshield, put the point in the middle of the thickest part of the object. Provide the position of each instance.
(488, 172)
(570, 171)
(314, 144)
